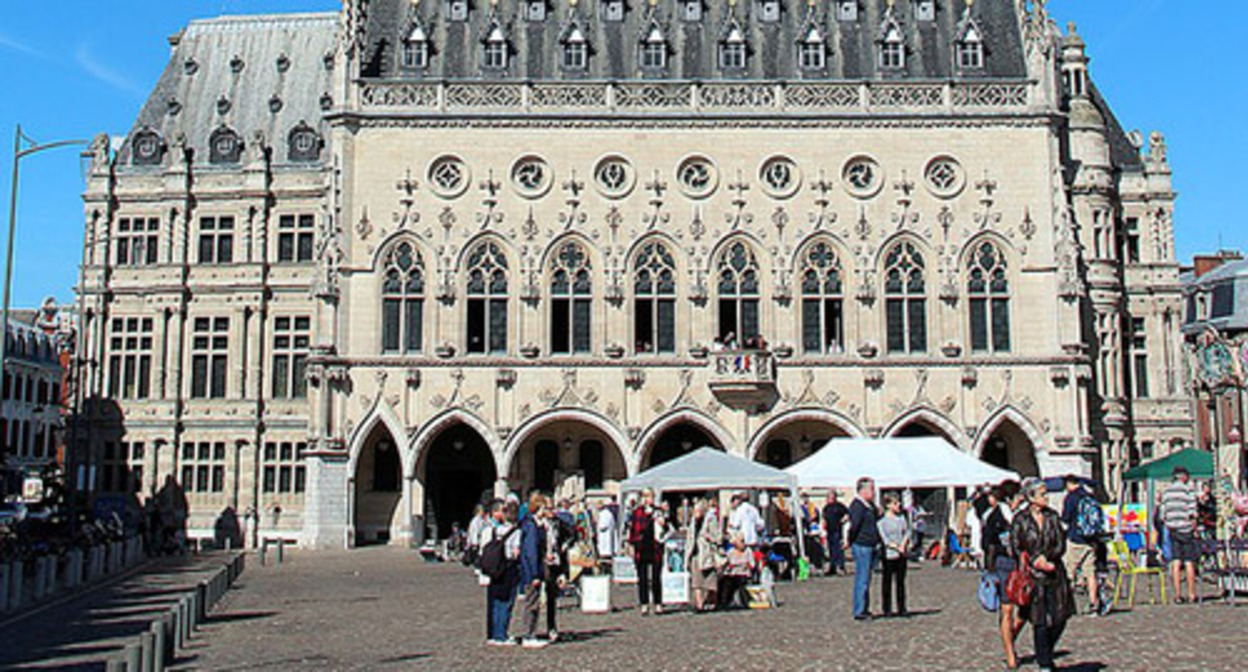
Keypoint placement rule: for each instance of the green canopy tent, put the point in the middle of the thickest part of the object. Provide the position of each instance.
(1198, 463)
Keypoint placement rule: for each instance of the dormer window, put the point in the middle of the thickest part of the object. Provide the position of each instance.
(653, 52)
(535, 11)
(892, 49)
(970, 50)
(925, 10)
(575, 50)
(811, 51)
(494, 51)
(416, 49)
(457, 10)
(769, 11)
(732, 50)
(224, 146)
(691, 10)
(847, 10)
(613, 10)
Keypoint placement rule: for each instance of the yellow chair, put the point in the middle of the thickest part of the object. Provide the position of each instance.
(1127, 567)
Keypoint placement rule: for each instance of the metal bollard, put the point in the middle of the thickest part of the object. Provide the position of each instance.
(134, 657)
(147, 649)
(159, 647)
(17, 578)
(281, 551)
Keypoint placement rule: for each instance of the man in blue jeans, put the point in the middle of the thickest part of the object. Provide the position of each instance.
(864, 540)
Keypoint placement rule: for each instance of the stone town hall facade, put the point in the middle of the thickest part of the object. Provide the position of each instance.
(354, 270)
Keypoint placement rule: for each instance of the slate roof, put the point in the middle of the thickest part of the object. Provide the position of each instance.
(261, 73)
(1232, 278)
(693, 45)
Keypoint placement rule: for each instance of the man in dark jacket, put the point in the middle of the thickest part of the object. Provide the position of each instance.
(864, 542)
(533, 569)
(834, 514)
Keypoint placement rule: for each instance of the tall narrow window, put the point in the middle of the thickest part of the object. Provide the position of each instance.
(1139, 357)
(654, 299)
(988, 296)
(294, 237)
(210, 345)
(216, 240)
(130, 358)
(403, 300)
(1132, 240)
(135, 241)
(738, 294)
(291, 338)
(571, 300)
(905, 301)
(823, 317)
(487, 299)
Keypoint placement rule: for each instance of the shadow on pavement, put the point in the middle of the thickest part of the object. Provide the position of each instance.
(588, 635)
(239, 616)
(407, 658)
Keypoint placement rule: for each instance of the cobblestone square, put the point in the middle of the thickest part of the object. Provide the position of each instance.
(385, 608)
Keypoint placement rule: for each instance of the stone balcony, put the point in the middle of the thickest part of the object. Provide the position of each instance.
(743, 378)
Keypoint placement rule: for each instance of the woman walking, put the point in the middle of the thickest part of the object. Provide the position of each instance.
(702, 554)
(645, 534)
(1040, 541)
(1007, 501)
(895, 534)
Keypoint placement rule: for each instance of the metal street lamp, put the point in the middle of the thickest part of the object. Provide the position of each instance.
(18, 153)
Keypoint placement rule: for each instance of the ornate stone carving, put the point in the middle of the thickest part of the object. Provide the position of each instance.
(873, 378)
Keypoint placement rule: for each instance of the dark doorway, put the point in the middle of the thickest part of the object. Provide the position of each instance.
(679, 440)
(378, 489)
(458, 475)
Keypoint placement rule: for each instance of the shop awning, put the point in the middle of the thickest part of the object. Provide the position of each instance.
(1198, 463)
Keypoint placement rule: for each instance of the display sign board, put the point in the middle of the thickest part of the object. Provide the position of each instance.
(675, 587)
(32, 490)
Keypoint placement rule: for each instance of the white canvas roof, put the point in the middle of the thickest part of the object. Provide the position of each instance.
(922, 462)
(710, 469)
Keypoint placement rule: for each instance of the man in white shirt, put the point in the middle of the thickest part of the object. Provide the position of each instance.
(606, 532)
(745, 520)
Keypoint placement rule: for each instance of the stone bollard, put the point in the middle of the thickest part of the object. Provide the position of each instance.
(17, 580)
(93, 562)
(54, 574)
(5, 568)
(179, 627)
(188, 619)
(40, 578)
(201, 602)
(72, 573)
(147, 647)
(159, 646)
(116, 664)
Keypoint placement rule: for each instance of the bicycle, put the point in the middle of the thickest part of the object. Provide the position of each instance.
(1097, 551)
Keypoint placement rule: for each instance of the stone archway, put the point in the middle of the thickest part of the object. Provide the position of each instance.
(1009, 447)
(457, 472)
(566, 455)
(676, 440)
(794, 436)
(378, 489)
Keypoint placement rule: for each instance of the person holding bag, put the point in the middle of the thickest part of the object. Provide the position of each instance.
(703, 555)
(1040, 541)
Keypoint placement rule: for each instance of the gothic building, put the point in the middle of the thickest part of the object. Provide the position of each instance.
(354, 270)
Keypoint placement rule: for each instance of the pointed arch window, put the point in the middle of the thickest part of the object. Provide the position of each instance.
(654, 299)
(823, 316)
(738, 294)
(487, 299)
(403, 300)
(988, 298)
(905, 299)
(571, 305)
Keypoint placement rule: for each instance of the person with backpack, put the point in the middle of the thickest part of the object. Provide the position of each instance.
(499, 557)
(1085, 523)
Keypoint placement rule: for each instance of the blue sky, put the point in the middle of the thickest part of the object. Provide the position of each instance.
(86, 67)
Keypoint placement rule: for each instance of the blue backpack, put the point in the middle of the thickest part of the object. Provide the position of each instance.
(1089, 519)
(989, 592)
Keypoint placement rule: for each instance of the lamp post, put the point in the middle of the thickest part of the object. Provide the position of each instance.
(18, 154)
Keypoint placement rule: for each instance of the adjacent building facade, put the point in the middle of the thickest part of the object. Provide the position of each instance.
(353, 271)
(38, 345)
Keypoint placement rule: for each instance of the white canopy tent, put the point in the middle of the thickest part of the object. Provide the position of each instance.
(711, 469)
(919, 462)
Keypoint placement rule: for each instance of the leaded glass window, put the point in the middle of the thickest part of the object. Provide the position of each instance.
(654, 299)
(823, 317)
(739, 279)
(988, 297)
(571, 304)
(905, 302)
(487, 299)
(403, 300)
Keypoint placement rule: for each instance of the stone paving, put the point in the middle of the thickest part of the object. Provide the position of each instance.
(80, 631)
(384, 608)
